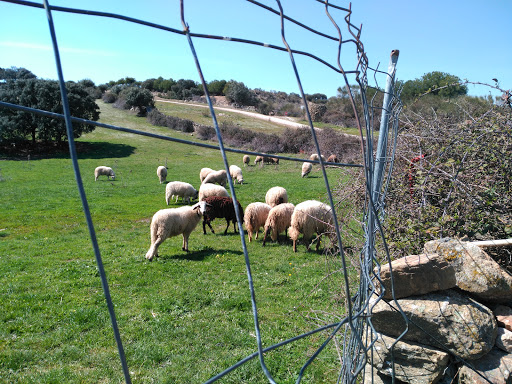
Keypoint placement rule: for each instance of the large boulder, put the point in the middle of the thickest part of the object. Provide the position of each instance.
(475, 271)
(495, 368)
(413, 363)
(445, 320)
(416, 275)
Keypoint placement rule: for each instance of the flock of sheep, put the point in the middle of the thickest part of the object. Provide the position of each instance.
(275, 216)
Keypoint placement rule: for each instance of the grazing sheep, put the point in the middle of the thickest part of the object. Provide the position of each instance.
(314, 156)
(204, 172)
(279, 219)
(306, 168)
(255, 217)
(266, 160)
(209, 189)
(173, 222)
(275, 196)
(180, 189)
(161, 172)
(216, 177)
(332, 159)
(102, 170)
(310, 217)
(220, 207)
(236, 173)
(246, 160)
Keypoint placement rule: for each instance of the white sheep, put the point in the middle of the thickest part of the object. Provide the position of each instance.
(216, 177)
(279, 219)
(275, 196)
(314, 156)
(310, 217)
(209, 189)
(161, 172)
(236, 173)
(203, 173)
(266, 160)
(255, 217)
(102, 170)
(180, 189)
(246, 160)
(173, 222)
(306, 168)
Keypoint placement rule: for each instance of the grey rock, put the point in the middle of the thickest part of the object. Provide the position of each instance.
(416, 275)
(495, 368)
(413, 363)
(446, 320)
(504, 316)
(375, 377)
(504, 340)
(475, 271)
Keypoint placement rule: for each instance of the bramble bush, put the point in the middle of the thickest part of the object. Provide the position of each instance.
(452, 176)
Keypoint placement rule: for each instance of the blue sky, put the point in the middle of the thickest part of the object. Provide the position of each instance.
(469, 39)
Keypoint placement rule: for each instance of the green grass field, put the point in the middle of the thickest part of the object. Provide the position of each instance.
(184, 317)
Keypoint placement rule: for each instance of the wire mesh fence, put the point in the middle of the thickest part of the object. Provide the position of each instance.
(357, 207)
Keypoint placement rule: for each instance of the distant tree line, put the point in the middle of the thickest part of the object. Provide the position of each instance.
(19, 85)
(22, 87)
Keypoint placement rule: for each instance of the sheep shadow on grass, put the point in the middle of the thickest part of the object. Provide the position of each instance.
(199, 255)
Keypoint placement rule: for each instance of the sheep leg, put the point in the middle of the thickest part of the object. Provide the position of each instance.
(185, 242)
(265, 234)
(226, 231)
(294, 245)
(153, 250)
(318, 244)
(205, 221)
(308, 244)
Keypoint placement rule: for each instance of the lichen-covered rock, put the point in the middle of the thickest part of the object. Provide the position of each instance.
(416, 275)
(413, 363)
(475, 271)
(444, 320)
(495, 368)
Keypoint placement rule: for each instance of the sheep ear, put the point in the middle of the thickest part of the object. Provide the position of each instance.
(201, 206)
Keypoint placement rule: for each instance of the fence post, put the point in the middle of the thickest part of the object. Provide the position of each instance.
(380, 156)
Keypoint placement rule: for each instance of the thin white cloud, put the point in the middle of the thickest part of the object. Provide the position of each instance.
(44, 47)
(13, 44)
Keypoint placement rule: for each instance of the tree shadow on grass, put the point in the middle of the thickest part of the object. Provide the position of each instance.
(84, 149)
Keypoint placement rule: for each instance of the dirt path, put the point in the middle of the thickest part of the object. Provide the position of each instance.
(271, 119)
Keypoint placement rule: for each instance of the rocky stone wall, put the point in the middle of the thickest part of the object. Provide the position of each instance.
(446, 318)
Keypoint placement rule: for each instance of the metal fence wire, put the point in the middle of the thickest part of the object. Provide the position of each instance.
(354, 332)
